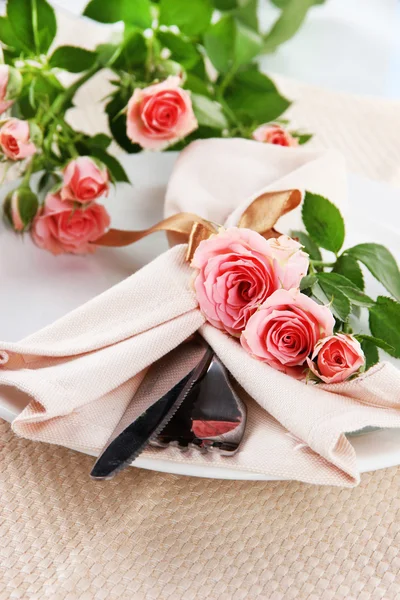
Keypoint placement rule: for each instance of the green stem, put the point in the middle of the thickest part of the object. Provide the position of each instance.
(28, 173)
(220, 98)
(226, 81)
(72, 150)
(35, 26)
(67, 95)
(321, 263)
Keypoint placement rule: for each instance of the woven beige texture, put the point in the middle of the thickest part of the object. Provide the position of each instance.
(154, 536)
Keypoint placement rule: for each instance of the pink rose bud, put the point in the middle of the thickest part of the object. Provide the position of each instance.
(336, 358)
(20, 208)
(18, 138)
(284, 330)
(291, 263)
(236, 274)
(274, 134)
(62, 227)
(160, 114)
(10, 86)
(85, 180)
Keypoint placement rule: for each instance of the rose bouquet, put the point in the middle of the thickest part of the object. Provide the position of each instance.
(180, 71)
(287, 305)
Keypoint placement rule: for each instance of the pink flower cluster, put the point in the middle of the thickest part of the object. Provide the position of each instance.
(70, 219)
(17, 137)
(161, 114)
(249, 287)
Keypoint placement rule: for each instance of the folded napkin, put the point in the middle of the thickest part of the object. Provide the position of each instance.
(79, 374)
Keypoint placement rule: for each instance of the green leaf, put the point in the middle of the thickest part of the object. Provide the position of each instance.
(33, 23)
(254, 96)
(309, 245)
(107, 54)
(282, 3)
(348, 266)
(8, 37)
(192, 18)
(133, 12)
(72, 59)
(133, 51)
(247, 14)
(371, 353)
(373, 340)
(339, 303)
(347, 287)
(114, 166)
(231, 44)
(196, 85)
(182, 50)
(225, 4)
(248, 44)
(100, 140)
(323, 222)
(302, 138)
(287, 24)
(208, 112)
(38, 90)
(307, 282)
(384, 322)
(117, 123)
(381, 263)
(219, 43)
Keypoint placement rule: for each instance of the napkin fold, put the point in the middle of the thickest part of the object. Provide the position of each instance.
(78, 375)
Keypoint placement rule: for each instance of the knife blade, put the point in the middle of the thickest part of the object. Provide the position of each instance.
(212, 418)
(128, 441)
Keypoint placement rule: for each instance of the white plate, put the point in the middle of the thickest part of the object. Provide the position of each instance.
(37, 288)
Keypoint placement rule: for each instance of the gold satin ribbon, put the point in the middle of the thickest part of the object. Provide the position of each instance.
(261, 216)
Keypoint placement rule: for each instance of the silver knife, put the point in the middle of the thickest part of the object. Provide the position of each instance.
(133, 433)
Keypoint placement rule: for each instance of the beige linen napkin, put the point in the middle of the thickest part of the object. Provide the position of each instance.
(81, 372)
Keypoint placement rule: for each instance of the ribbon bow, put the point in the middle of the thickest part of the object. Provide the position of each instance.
(261, 216)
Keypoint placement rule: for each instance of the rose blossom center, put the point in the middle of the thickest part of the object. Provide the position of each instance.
(338, 358)
(88, 188)
(161, 112)
(290, 341)
(242, 284)
(11, 143)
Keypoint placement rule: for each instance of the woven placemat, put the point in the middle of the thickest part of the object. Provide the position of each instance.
(149, 535)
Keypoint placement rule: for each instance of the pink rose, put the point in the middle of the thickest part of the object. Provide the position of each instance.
(63, 227)
(291, 263)
(336, 358)
(84, 180)
(15, 139)
(235, 275)
(10, 86)
(160, 114)
(274, 134)
(284, 330)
